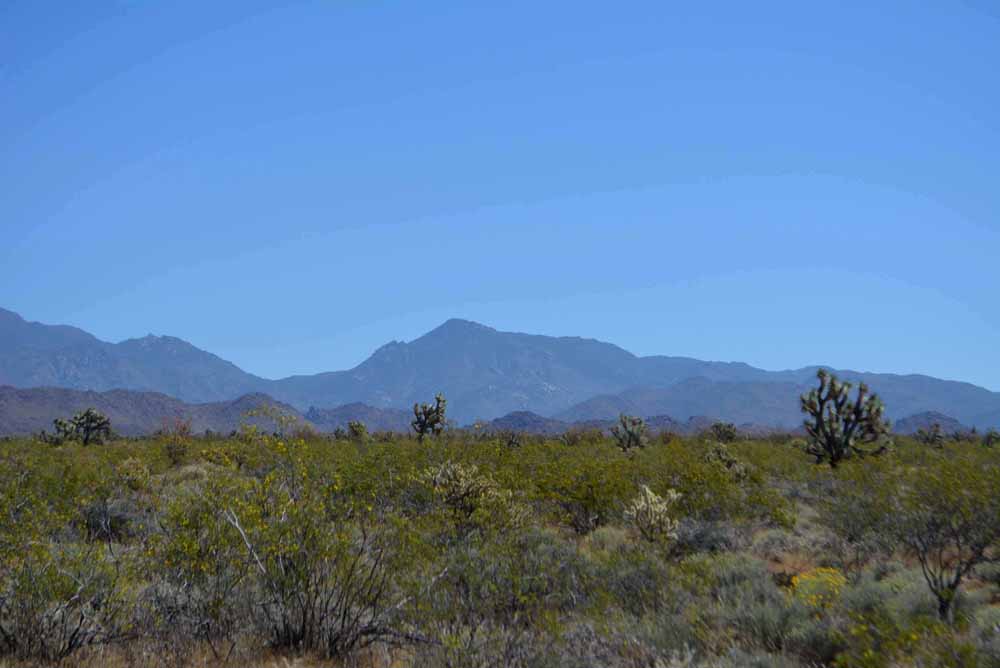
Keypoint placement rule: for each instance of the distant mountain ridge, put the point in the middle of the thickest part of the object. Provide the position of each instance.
(375, 419)
(925, 421)
(132, 413)
(483, 372)
(37, 355)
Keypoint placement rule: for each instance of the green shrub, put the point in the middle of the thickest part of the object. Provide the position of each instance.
(948, 518)
(463, 551)
(585, 490)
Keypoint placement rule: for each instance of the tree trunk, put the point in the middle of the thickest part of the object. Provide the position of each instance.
(944, 605)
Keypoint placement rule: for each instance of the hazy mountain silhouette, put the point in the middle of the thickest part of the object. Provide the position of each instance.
(37, 355)
(375, 419)
(483, 372)
(914, 423)
(132, 413)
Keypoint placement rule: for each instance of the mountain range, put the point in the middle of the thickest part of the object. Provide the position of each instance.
(484, 373)
(132, 413)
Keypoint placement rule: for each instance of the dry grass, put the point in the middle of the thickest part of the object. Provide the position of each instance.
(146, 655)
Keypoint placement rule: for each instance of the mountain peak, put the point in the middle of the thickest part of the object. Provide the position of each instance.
(458, 326)
(154, 341)
(10, 315)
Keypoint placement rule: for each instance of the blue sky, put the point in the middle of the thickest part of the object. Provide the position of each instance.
(292, 185)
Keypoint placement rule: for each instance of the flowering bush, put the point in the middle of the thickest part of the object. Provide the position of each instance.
(818, 588)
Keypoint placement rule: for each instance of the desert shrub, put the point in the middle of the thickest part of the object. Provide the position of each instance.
(133, 474)
(948, 518)
(55, 597)
(854, 507)
(738, 658)
(461, 550)
(710, 492)
(270, 418)
(818, 588)
(496, 599)
(177, 436)
(321, 574)
(176, 451)
(639, 582)
(694, 536)
(203, 590)
(746, 600)
(986, 632)
(322, 592)
(586, 488)
(579, 436)
(877, 640)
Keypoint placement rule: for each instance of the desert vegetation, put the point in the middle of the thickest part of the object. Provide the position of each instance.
(466, 548)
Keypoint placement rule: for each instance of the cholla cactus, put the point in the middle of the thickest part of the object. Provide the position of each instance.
(133, 473)
(357, 431)
(429, 419)
(630, 433)
(724, 432)
(719, 455)
(933, 437)
(473, 498)
(460, 486)
(839, 427)
(651, 514)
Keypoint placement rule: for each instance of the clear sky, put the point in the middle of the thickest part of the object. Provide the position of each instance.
(291, 185)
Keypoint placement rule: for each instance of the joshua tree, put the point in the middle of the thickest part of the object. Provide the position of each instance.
(428, 419)
(991, 438)
(965, 436)
(630, 433)
(86, 427)
(838, 428)
(724, 432)
(511, 439)
(933, 437)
